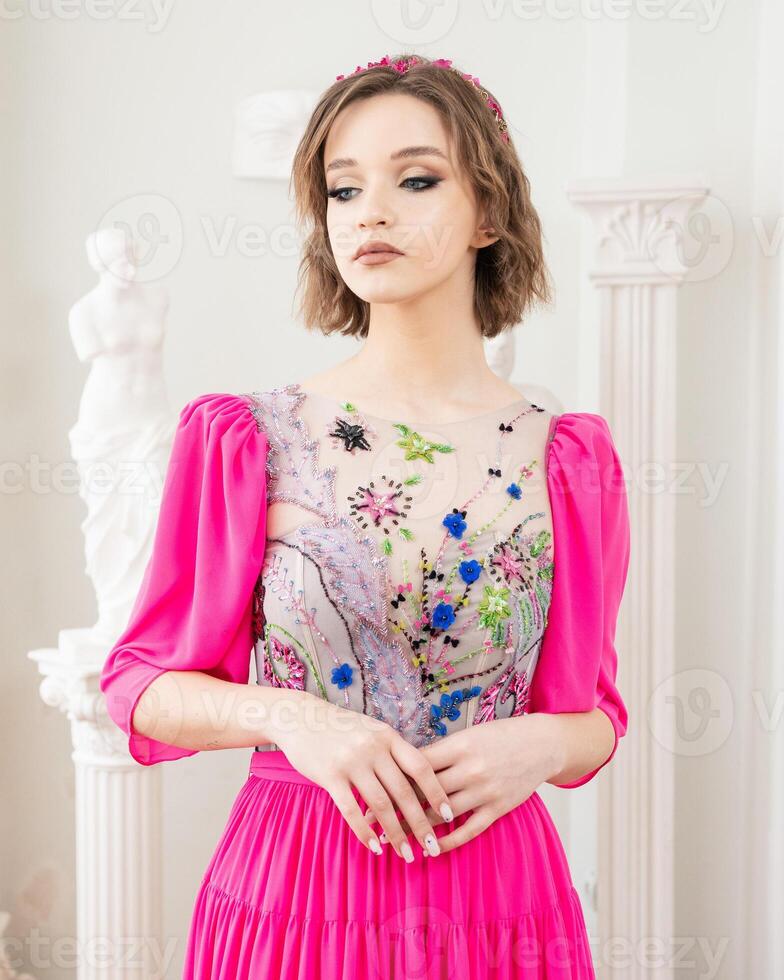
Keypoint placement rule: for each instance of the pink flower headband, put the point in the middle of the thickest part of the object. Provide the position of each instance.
(403, 64)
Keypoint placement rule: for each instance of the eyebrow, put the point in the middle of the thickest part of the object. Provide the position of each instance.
(408, 151)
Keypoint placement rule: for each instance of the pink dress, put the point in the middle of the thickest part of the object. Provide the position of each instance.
(434, 576)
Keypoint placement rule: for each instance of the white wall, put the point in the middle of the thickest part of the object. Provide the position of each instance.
(95, 112)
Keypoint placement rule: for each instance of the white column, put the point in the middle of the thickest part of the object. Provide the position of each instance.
(638, 265)
(118, 824)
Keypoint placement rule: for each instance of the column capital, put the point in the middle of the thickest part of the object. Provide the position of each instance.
(70, 682)
(639, 225)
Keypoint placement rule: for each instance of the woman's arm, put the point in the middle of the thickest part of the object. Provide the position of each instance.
(193, 610)
(574, 683)
(196, 711)
(581, 742)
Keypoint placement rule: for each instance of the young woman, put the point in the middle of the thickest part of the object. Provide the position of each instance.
(426, 566)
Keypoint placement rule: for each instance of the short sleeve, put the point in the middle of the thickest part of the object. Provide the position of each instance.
(577, 665)
(193, 609)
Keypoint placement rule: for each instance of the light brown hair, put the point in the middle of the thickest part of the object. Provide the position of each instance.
(510, 274)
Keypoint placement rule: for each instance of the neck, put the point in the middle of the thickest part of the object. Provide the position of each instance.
(428, 348)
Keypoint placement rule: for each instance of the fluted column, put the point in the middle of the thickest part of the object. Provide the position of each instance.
(118, 824)
(638, 265)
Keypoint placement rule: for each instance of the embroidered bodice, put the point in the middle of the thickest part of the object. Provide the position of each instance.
(433, 576)
(408, 567)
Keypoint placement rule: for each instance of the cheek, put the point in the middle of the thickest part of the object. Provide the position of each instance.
(341, 235)
(437, 228)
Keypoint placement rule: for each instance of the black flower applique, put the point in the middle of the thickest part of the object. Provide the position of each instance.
(352, 434)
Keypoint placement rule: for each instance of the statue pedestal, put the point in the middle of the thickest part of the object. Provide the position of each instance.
(118, 822)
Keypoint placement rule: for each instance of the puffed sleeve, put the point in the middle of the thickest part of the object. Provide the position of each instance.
(194, 605)
(577, 665)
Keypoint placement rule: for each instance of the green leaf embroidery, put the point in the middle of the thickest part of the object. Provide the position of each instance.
(541, 542)
(417, 447)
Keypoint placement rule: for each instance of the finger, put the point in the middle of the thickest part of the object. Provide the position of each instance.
(433, 820)
(461, 802)
(410, 810)
(451, 780)
(442, 752)
(379, 802)
(349, 809)
(478, 821)
(400, 788)
(417, 767)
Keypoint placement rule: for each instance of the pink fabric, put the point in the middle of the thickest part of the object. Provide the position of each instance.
(193, 609)
(578, 661)
(291, 893)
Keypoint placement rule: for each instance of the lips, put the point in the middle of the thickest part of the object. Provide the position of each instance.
(373, 247)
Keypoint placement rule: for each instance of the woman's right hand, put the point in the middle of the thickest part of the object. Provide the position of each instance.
(336, 748)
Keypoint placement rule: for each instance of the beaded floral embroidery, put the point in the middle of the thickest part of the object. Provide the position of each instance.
(383, 508)
(464, 630)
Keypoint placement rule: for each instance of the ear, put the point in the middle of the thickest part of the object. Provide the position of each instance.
(485, 233)
(483, 236)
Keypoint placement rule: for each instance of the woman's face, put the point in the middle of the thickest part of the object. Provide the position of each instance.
(391, 177)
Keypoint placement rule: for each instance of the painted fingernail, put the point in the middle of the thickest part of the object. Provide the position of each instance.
(408, 854)
(383, 836)
(375, 847)
(446, 811)
(432, 845)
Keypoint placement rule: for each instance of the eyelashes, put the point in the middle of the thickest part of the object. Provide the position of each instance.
(427, 181)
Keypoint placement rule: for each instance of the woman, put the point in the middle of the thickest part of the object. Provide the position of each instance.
(412, 551)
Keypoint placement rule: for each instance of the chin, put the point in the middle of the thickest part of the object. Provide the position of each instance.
(382, 287)
(390, 293)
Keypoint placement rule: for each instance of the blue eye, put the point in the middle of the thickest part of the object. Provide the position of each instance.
(428, 182)
(341, 190)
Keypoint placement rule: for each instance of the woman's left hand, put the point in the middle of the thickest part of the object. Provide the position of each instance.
(491, 769)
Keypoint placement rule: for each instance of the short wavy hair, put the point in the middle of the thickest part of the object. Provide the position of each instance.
(510, 275)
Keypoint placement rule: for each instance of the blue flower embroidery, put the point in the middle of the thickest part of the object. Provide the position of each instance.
(342, 675)
(455, 523)
(443, 616)
(470, 570)
(514, 490)
(449, 707)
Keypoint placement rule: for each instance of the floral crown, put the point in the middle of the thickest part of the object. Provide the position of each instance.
(402, 65)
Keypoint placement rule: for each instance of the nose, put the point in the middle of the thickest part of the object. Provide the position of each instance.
(372, 220)
(374, 210)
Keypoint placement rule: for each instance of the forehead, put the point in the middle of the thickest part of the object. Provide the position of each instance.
(372, 129)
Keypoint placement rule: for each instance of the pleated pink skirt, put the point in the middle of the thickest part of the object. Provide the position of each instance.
(291, 894)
